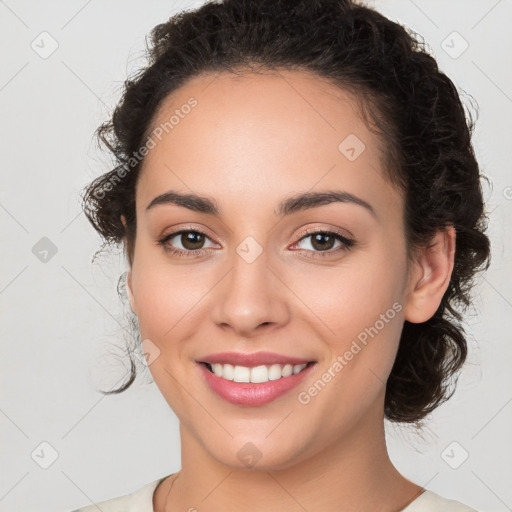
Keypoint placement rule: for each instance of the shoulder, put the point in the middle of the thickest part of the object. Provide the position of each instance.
(140, 500)
(429, 501)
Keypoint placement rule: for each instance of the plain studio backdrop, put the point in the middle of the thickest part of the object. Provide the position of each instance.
(65, 445)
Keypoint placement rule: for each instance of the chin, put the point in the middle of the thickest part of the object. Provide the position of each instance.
(258, 453)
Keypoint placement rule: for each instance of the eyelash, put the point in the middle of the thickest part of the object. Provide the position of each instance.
(346, 243)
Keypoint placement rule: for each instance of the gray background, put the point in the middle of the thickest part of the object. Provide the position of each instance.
(62, 319)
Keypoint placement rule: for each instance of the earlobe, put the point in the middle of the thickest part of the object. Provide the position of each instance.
(430, 277)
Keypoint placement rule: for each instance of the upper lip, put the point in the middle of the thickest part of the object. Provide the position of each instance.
(250, 360)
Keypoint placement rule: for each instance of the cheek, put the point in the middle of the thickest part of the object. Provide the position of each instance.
(354, 295)
(358, 316)
(357, 310)
(169, 296)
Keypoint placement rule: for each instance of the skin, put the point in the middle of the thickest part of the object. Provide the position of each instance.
(250, 142)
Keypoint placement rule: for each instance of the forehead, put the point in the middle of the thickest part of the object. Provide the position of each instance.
(254, 136)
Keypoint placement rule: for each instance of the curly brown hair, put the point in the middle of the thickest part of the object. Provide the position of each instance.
(413, 106)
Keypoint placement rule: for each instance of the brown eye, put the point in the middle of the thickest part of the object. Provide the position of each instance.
(192, 240)
(322, 241)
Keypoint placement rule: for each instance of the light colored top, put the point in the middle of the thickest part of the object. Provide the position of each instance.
(142, 501)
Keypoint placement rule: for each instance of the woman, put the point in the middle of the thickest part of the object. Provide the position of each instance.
(301, 211)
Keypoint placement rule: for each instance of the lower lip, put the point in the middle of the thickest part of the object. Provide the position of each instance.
(252, 394)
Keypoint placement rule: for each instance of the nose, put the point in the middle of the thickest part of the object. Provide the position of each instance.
(251, 298)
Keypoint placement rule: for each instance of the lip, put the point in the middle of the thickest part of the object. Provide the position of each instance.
(250, 360)
(252, 394)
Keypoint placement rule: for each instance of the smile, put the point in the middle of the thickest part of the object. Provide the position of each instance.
(253, 386)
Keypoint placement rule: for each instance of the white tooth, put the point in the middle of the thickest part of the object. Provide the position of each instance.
(217, 369)
(259, 374)
(287, 370)
(242, 374)
(298, 368)
(228, 372)
(274, 372)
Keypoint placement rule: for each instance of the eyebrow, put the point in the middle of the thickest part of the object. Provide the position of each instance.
(293, 204)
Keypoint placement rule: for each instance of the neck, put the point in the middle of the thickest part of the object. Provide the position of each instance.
(352, 473)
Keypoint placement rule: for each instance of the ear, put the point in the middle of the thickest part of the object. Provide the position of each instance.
(127, 246)
(129, 278)
(429, 277)
(129, 290)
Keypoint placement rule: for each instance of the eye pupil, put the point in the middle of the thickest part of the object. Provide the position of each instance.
(317, 237)
(191, 238)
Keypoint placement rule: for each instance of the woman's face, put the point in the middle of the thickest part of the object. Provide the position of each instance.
(260, 283)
